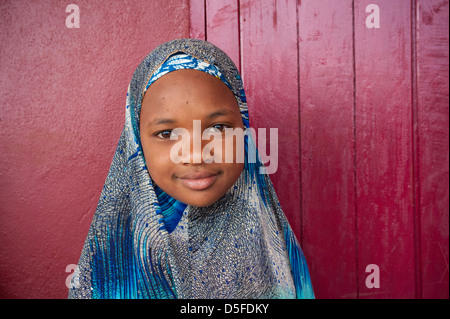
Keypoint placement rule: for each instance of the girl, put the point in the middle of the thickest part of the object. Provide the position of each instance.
(197, 226)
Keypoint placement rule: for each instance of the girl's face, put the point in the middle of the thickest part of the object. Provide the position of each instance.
(174, 101)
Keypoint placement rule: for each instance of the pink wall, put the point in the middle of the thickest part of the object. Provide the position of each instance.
(363, 123)
(62, 110)
(362, 117)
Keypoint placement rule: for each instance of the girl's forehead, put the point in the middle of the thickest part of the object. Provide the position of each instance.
(189, 85)
(191, 91)
(206, 83)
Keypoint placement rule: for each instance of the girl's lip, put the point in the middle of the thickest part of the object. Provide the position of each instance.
(198, 180)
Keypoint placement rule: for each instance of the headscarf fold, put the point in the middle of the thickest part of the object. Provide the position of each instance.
(143, 243)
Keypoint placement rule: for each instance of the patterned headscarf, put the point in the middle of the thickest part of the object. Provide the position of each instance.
(145, 244)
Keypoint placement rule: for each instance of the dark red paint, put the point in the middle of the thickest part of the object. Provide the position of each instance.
(363, 117)
(63, 94)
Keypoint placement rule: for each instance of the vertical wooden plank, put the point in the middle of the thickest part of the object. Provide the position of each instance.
(432, 36)
(197, 19)
(222, 25)
(270, 73)
(327, 148)
(383, 108)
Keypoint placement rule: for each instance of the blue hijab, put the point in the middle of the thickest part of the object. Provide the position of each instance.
(142, 243)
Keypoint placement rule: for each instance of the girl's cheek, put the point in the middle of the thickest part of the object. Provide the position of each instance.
(234, 150)
(223, 150)
(155, 152)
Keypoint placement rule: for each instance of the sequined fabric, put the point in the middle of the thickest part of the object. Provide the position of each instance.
(240, 247)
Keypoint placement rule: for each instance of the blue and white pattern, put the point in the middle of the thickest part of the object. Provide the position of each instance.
(184, 61)
(144, 244)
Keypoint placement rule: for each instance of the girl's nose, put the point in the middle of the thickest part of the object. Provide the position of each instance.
(200, 151)
(191, 152)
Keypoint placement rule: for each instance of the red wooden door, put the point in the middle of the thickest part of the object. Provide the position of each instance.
(359, 93)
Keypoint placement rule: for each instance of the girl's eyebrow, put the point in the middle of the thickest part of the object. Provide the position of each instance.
(219, 113)
(160, 121)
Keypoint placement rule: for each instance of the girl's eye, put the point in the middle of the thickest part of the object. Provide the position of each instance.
(172, 134)
(165, 135)
(216, 128)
